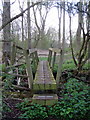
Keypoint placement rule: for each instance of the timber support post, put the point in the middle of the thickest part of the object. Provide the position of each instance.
(54, 51)
(13, 54)
(59, 71)
(53, 62)
(50, 57)
(29, 69)
(36, 57)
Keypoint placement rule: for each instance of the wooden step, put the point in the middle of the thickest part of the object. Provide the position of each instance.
(45, 99)
(44, 79)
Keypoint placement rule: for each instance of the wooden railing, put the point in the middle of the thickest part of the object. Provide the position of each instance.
(23, 56)
(52, 56)
(28, 57)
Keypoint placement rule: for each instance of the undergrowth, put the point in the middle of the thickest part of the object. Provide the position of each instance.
(74, 105)
(69, 65)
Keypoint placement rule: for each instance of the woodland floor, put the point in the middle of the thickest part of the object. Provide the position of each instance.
(15, 113)
(11, 103)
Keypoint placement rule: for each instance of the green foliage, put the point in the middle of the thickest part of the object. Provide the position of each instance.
(22, 69)
(8, 81)
(67, 50)
(2, 67)
(33, 67)
(74, 104)
(86, 66)
(32, 111)
(68, 65)
(43, 58)
(5, 108)
(55, 68)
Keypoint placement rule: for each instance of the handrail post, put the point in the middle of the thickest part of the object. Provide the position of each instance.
(33, 58)
(36, 57)
(53, 62)
(59, 71)
(50, 57)
(29, 69)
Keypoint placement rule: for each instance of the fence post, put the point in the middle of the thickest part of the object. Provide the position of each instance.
(53, 62)
(36, 57)
(29, 69)
(50, 57)
(59, 71)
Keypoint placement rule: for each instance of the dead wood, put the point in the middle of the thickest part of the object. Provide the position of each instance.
(16, 87)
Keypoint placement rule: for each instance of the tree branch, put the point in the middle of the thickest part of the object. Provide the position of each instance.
(36, 19)
(71, 42)
(17, 16)
(16, 87)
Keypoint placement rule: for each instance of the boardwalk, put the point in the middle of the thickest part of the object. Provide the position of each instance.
(44, 82)
(44, 79)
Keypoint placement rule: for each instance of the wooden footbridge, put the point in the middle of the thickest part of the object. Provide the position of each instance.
(44, 84)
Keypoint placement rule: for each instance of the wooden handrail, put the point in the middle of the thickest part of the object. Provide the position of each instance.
(57, 50)
(52, 56)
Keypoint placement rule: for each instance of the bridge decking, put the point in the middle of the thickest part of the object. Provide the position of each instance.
(44, 81)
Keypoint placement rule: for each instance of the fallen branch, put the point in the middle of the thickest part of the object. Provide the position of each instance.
(17, 75)
(7, 103)
(81, 80)
(19, 58)
(15, 65)
(16, 87)
(74, 76)
(18, 99)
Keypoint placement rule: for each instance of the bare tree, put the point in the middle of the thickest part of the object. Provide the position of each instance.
(41, 27)
(61, 59)
(17, 16)
(82, 56)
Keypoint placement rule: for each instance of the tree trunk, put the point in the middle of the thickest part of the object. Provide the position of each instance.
(41, 28)
(71, 40)
(63, 42)
(59, 34)
(27, 60)
(6, 33)
(29, 25)
(80, 21)
(88, 31)
(61, 59)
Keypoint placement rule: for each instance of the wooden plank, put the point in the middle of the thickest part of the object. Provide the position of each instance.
(57, 50)
(29, 70)
(45, 99)
(44, 79)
